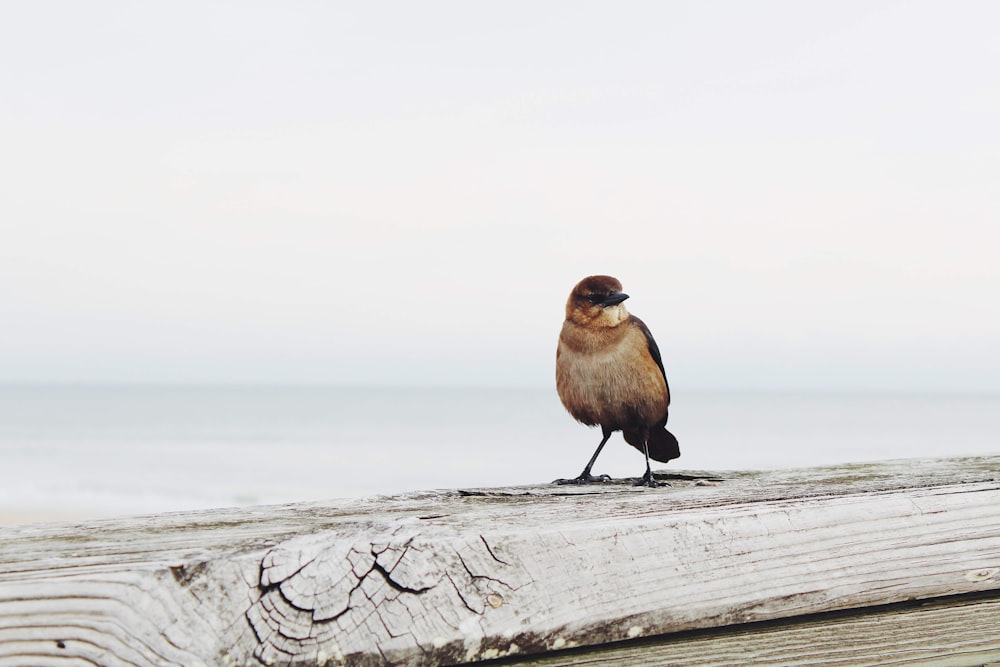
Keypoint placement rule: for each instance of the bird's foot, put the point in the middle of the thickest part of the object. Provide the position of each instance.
(649, 480)
(584, 478)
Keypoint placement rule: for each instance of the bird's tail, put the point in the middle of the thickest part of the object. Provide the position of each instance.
(662, 445)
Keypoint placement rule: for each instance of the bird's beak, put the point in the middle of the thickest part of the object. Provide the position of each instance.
(614, 299)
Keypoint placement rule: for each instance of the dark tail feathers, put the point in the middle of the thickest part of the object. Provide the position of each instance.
(663, 445)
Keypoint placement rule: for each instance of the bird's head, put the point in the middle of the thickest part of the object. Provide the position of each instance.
(597, 301)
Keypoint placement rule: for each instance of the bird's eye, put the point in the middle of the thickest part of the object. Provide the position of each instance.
(595, 298)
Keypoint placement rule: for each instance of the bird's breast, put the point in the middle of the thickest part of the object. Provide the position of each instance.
(609, 377)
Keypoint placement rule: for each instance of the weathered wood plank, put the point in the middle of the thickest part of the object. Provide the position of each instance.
(948, 633)
(460, 576)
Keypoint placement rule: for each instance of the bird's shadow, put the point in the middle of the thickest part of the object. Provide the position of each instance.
(664, 478)
(667, 477)
(551, 488)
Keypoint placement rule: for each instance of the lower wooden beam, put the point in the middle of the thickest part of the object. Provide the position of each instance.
(953, 632)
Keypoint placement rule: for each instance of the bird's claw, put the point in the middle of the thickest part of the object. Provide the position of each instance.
(585, 478)
(649, 480)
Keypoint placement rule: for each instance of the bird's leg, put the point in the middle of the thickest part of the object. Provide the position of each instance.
(647, 479)
(585, 476)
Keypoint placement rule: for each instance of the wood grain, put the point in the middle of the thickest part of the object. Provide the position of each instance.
(461, 576)
(949, 633)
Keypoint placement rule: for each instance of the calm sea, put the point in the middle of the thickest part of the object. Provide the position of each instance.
(101, 451)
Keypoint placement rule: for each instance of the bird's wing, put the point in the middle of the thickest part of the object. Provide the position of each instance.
(654, 351)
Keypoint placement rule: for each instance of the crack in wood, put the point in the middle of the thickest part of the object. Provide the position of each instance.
(461, 596)
(387, 574)
(490, 550)
(477, 577)
(472, 493)
(380, 584)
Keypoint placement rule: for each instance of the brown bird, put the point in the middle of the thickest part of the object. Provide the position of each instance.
(609, 373)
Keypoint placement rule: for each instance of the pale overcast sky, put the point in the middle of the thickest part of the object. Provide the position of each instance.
(795, 194)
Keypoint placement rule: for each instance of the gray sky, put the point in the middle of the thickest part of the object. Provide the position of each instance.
(795, 194)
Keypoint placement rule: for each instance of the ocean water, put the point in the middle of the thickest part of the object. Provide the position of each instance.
(103, 451)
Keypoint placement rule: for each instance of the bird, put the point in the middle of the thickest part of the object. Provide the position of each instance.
(609, 373)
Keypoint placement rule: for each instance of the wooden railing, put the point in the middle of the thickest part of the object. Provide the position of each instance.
(855, 564)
